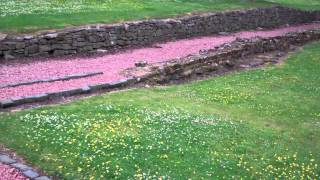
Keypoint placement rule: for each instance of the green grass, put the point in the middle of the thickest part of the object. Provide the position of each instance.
(20, 16)
(300, 4)
(29, 16)
(256, 124)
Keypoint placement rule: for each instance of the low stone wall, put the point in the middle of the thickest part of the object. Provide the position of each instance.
(141, 33)
(317, 15)
(179, 69)
(227, 56)
(65, 78)
(26, 170)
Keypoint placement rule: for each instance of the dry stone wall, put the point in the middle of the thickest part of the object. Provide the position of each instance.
(141, 33)
(227, 55)
(183, 68)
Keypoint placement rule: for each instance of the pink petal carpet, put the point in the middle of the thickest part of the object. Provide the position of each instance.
(111, 65)
(9, 173)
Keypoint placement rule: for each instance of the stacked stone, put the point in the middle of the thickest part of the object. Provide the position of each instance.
(141, 33)
(7, 103)
(27, 171)
(210, 60)
(227, 56)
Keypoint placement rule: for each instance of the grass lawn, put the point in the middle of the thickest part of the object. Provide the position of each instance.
(27, 16)
(256, 124)
(301, 4)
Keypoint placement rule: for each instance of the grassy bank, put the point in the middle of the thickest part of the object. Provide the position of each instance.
(256, 124)
(28, 16)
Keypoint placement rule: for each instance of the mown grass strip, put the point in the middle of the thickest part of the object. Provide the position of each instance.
(29, 16)
(256, 124)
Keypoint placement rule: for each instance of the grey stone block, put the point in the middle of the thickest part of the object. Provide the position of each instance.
(59, 53)
(51, 36)
(36, 98)
(44, 48)
(10, 45)
(40, 54)
(20, 45)
(30, 99)
(101, 51)
(79, 44)
(28, 37)
(118, 84)
(66, 46)
(21, 167)
(86, 89)
(3, 36)
(4, 47)
(6, 103)
(66, 93)
(74, 91)
(131, 81)
(32, 49)
(95, 87)
(8, 56)
(18, 100)
(30, 174)
(6, 159)
(41, 97)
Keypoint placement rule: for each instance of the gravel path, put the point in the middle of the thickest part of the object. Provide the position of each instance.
(13, 72)
(9, 173)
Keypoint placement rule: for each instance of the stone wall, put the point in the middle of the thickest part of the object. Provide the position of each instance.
(183, 68)
(141, 33)
(317, 15)
(226, 56)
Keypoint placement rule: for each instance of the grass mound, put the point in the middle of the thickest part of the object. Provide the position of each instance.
(28, 16)
(256, 124)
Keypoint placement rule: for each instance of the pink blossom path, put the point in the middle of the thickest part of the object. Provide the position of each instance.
(8, 173)
(14, 72)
